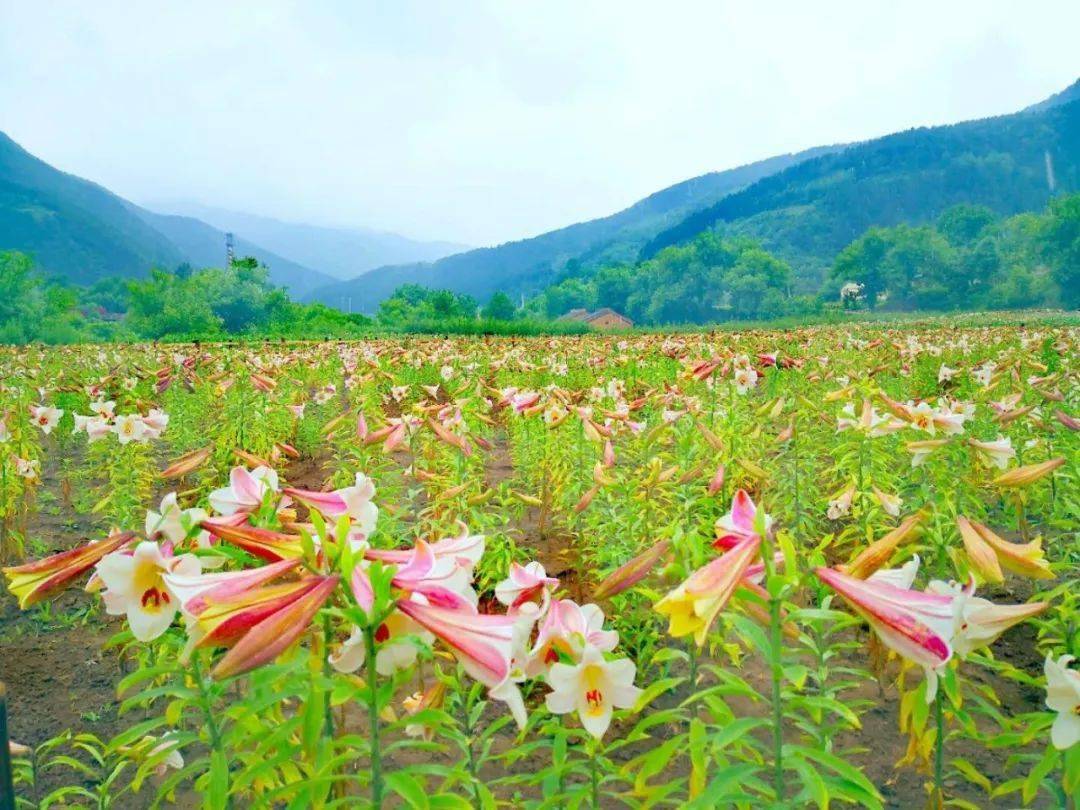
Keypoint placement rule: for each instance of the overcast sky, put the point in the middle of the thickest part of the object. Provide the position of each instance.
(483, 122)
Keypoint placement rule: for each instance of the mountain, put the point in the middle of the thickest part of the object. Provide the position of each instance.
(81, 232)
(528, 265)
(340, 252)
(204, 246)
(72, 227)
(807, 213)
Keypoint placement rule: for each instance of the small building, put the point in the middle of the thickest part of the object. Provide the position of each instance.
(603, 318)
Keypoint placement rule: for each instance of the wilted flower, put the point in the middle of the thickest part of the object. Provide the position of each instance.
(840, 506)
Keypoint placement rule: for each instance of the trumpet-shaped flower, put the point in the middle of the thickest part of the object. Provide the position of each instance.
(440, 579)
(34, 581)
(245, 492)
(482, 643)
(740, 522)
(393, 653)
(464, 549)
(996, 453)
(135, 587)
(1063, 697)
(129, 428)
(921, 450)
(693, 606)
(745, 378)
(565, 631)
(979, 622)
(354, 501)
(891, 504)
(154, 423)
(45, 417)
(593, 688)
(869, 421)
(902, 577)
(918, 626)
(840, 506)
(525, 584)
(172, 522)
(96, 427)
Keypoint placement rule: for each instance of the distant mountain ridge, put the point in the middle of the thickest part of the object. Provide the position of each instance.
(808, 212)
(80, 231)
(527, 265)
(340, 252)
(803, 207)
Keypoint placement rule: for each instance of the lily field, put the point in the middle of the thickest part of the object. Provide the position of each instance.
(819, 567)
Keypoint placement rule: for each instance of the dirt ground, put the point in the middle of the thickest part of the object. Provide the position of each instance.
(58, 676)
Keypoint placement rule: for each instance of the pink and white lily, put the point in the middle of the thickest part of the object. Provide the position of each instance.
(245, 492)
(353, 501)
(918, 626)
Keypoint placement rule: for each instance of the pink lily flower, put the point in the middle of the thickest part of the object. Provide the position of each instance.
(525, 584)
(918, 626)
(440, 579)
(245, 491)
(566, 630)
(481, 642)
(354, 501)
(196, 592)
(738, 523)
(465, 549)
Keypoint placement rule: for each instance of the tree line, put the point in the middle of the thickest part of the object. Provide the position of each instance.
(969, 258)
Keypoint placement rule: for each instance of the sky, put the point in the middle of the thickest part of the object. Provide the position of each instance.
(483, 122)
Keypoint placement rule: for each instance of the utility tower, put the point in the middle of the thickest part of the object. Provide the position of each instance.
(230, 253)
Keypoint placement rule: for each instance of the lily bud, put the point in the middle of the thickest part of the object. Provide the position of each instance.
(187, 463)
(716, 483)
(1029, 474)
(35, 581)
(979, 553)
(878, 553)
(631, 572)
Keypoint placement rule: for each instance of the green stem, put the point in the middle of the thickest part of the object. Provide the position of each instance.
(328, 673)
(373, 719)
(594, 774)
(206, 703)
(939, 745)
(776, 645)
(470, 755)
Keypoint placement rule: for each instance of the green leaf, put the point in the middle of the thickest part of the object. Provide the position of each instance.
(408, 788)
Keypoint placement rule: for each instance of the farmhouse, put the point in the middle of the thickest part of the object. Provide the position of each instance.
(604, 318)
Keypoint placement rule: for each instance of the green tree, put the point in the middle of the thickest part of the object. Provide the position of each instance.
(500, 307)
(1061, 246)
